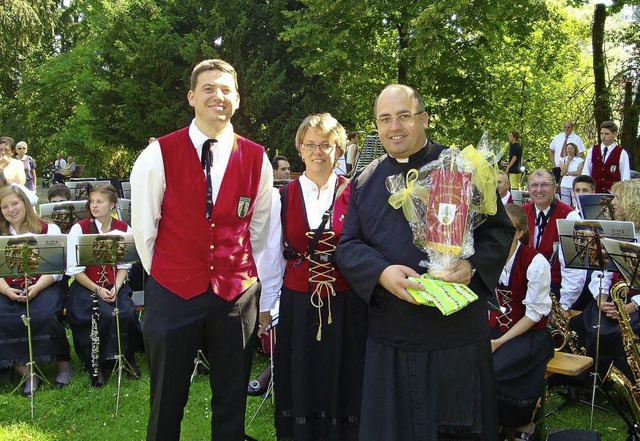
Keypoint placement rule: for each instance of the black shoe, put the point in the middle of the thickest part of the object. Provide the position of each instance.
(255, 389)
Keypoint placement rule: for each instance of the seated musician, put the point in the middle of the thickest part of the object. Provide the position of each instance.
(520, 342)
(58, 193)
(626, 206)
(45, 301)
(107, 286)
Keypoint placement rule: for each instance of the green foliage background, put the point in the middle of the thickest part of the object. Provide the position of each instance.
(97, 78)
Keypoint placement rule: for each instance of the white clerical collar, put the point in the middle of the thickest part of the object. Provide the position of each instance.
(406, 160)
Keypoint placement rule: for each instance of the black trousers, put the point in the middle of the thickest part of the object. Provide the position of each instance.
(174, 329)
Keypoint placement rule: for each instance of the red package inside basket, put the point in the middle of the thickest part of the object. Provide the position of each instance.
(448, 207)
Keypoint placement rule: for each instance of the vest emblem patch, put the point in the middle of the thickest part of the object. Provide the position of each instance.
(243, 206)
(613, 168)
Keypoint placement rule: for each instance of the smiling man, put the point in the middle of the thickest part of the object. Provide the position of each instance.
(427, 376)
(201, 201)
(543, 211)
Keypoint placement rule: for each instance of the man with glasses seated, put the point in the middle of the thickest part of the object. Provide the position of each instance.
(543, 211)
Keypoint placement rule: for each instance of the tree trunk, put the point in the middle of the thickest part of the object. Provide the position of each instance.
(601, 109)
(630, 117)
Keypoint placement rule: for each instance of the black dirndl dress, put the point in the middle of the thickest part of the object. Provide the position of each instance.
(318, 384)
(48, 336)
(79, 311)
(520, 365)
(611, 345)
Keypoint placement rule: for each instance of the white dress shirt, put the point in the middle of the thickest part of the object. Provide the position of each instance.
(148, 186)
(537, 301)
(623, 164)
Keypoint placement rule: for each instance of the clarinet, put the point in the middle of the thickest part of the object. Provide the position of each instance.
(95, 339)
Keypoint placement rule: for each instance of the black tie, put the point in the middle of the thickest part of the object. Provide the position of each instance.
(604, 154)
(207, 159)
(541, 222)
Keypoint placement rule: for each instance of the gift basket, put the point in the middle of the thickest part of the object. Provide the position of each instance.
(444, 201)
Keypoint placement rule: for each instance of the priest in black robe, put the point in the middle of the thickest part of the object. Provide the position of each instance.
(427, 376)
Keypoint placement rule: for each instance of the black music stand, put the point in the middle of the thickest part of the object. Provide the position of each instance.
(596, 206)
(25, 257)
(108, 251)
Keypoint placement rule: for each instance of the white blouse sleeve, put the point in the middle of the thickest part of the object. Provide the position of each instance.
(537, 302)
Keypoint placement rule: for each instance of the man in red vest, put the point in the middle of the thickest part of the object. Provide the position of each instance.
(201, 201)
(543, 211)
(607, 162)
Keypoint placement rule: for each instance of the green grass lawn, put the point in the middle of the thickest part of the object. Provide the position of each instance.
(82, 413)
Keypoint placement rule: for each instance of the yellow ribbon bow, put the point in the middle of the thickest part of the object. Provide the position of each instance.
(485, 178)
(402, 198)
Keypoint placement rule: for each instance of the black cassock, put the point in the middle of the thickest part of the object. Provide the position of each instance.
(427, 376)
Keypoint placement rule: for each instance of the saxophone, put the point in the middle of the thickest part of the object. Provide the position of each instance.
(562, 335)
(625, 393)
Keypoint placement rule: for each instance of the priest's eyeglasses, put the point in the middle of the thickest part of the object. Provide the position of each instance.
(324, 147)
(403, 118)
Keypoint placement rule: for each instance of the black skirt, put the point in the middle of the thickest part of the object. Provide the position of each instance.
(48, 336)
(79, 311)
(318, 384)
(611, 345)
(520, 365)
(437, 395)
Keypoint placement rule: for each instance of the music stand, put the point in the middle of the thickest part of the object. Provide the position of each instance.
(25, 257)
(108, 251)
(64, 214)
(80, 189)
(520, 197)
(123, 208)
(595, 206)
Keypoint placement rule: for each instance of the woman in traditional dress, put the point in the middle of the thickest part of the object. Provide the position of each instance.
(626, 207)
(108, 284)
(321, 333)
(48, 337)
(520, 342)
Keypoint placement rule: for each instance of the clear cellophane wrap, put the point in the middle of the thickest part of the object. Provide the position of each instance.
(445, 200)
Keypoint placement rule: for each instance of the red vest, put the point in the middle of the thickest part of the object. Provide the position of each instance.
(607, 173)
(19, 281)
(192, 252)
(514, 309)
(94, 272)
(558, 210)
(297, 273)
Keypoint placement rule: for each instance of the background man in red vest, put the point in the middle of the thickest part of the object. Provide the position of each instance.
(607, 162)
(201, 201)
